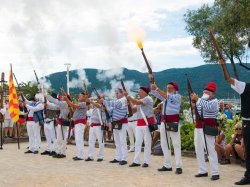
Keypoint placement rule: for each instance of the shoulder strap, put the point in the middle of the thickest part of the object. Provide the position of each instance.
(165, 106)
(143, 115)
(99, 115)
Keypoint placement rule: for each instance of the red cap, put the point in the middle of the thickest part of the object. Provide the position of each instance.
(175, 85)
(119, 89)
(145, 89)
(211, 87)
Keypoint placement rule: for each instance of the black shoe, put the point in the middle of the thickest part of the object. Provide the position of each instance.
(60, 156)
(144, 165)
(243, 181)
(134, 165)
(114, 161)
(89, 159)
(243, 163)
(77, 158)
(29, 151)
(201, 175)
(215, 177)
(52, 153)
(123, 162)
(55, 156)
(35, 152)
(178, 171)
(99, 159)
(226, 161)
(45, 153)
(164, 169)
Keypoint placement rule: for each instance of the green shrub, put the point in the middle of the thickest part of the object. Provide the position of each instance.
(187, 136)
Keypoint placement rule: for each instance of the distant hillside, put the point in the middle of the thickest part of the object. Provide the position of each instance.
(199, 77)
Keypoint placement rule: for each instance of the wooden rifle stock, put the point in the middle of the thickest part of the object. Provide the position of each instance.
(220, 56)
(190, 91)
(152, 81)
(130, 112)
(99, 97)
(37, 80)
(85, 88)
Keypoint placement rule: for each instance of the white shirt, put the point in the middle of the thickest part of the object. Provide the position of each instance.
(239, 87)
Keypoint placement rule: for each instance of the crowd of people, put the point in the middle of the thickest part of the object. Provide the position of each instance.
(57, 116)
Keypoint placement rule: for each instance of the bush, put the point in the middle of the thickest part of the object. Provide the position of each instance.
(187, 136)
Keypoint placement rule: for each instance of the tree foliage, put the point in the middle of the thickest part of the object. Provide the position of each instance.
(229, 20)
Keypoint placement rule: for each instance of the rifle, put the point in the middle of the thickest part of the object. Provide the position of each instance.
(85, 88)
(197, 115)
(105, 110)
(220, 56)
(152, 81)
(69, 116)
(38, 83)
(190, 91)
(19, 89)
(130, 112)
(1, 106)
(45, 99)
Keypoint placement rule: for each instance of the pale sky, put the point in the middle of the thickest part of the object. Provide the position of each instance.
(43, 35)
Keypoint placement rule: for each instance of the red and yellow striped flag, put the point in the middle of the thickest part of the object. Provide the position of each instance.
(13, 101)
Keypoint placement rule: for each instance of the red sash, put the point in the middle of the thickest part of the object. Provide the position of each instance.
(141, 122)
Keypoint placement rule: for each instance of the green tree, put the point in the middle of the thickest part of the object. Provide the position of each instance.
(28, 89)
(228, 20)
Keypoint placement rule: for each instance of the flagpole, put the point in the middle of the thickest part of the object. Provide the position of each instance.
(15, 121)
(18, 140)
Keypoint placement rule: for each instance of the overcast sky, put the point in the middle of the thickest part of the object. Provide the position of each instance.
(43, 35)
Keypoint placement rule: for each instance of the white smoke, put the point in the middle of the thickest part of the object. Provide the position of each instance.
(130, 86)
(103, 75)
(45, 84)
(81, 78)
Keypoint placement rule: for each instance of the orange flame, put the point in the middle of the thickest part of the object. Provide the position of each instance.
(136, 34)
(139, 43)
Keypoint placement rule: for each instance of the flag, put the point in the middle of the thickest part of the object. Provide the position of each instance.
(13, 100)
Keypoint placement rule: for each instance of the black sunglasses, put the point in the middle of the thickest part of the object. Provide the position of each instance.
(238, 129)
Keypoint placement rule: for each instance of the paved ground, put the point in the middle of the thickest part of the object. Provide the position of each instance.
(18, 169)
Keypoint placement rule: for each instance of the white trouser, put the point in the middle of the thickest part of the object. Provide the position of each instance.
(131, 134)
(61, 141)
(142, 133)
(95, 132)
(176, 141)
(200, 154)
(79, 137)
(33, 130)
(120, 137)
(50, 135)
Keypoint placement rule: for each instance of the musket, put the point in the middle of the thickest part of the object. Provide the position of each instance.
(19, 89)
(1, 106)
(152, 81)
(99, 97)
(38, 83)
(197, 115)
(190, 91)
(130, 112)
(71, 121)
(85, 88)
(220, 56)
